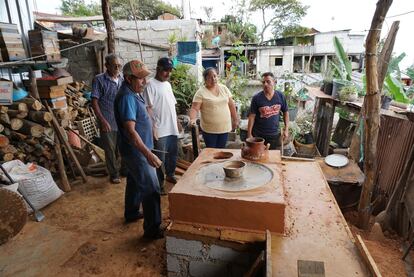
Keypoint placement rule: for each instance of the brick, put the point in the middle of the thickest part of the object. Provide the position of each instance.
(173, 264)
(147, 54)
(189, 248)
(228, 255)
(206, 269)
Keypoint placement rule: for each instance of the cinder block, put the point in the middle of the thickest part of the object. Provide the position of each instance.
(173, 264)
(206, 269)
(191, 248)
(228, 255)
(147, 54)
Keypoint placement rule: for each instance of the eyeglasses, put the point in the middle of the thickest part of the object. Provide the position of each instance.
(116, 65)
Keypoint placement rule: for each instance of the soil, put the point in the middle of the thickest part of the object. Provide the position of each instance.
(387, 252)
(95, 212)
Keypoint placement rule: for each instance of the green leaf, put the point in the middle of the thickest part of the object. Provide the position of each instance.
(232, 59)
(396, 89)
(343, 58)
(244, 59)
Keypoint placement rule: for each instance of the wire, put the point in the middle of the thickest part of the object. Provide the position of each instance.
(399, 14)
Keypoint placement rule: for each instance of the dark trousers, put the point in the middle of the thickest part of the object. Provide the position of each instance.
(112, 157)
(169, 160)
(274, 141)
(215, 140)
(142, 187)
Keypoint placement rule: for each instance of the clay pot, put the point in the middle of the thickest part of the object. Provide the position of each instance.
(254, 149)
(234, 169)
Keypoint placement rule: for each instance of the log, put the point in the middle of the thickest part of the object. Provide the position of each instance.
(1, 128)
(32, 104)
(4, 109)
(21, 156)
(4, 118)
(16, 123)
(8, 149)
(31, 128)
(17, 136)
(7, 157)
(40, 116)
(4, 141)
(66, 143)
(20, 106)
(17, 114)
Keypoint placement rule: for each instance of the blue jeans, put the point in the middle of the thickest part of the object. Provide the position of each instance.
(166, 144)
(142, 186)
(215, 140)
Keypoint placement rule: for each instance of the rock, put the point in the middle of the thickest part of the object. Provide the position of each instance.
(376, 233)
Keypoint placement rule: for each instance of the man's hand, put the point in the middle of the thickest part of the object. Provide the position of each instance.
(153, 160)
(155, 133)
(285, 134)
(106, 127)
(193, 122)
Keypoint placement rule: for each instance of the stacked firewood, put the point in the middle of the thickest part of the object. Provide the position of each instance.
(26, 133)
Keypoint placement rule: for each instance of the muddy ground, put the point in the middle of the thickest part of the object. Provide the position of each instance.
(84, 235)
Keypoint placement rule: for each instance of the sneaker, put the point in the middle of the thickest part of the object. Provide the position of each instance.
(154, 236)
(171, 179)
(115, 180)
(134, 219)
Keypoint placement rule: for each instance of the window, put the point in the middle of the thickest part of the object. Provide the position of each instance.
(278, 61)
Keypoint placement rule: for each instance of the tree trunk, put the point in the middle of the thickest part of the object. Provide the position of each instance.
(371, 110)
(20, 106)
(40, 116)
(109, 24)
(31, 128)
(16, 123)
(4, 141)
(17, 114)
(33, 104)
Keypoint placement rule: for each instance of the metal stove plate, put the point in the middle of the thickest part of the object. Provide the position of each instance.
(336, 160)
(254, 175)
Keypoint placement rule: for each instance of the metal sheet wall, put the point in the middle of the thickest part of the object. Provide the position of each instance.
(396, 137)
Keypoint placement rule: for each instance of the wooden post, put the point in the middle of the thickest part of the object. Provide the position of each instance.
(371, 110)
(109, 24)
(33, 84)
(323, 124)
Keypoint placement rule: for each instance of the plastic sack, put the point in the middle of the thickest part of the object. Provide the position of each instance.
(34, 181)
(19, 94)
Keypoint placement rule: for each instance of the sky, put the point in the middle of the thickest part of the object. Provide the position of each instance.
(322, 15)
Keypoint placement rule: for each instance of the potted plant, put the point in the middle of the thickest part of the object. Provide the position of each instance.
(348, 93)
(345, 128)
(342, 69)
(328, 76)
(291, 100)
(304, 142)
(184, 86)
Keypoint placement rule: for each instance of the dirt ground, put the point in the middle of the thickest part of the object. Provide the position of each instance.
(91, 218)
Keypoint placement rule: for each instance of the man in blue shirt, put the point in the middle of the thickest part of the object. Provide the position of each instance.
(264, 114)
(104, 89)
(135, 144)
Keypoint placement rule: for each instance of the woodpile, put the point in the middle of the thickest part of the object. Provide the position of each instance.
(36, 131)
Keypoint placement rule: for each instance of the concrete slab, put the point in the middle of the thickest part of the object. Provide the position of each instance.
(256, 210)
(316, 229)
(38, 250)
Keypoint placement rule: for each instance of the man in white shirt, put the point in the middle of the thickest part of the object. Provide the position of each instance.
(161, 102)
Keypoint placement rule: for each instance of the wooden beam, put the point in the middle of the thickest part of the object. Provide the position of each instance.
(323, 124)
(369, 261)
(371, 113)
(109, 24)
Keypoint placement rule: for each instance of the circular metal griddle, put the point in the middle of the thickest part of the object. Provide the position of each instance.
(336, 160)
(13, 214)
(254, 175)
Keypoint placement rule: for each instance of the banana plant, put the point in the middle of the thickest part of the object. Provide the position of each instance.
(395, 88)
(344, 68)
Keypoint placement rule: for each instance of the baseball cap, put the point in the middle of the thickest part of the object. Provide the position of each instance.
(165, 63)
(135, 68)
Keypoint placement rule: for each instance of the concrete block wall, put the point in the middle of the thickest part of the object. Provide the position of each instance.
(129, 51)
(195, 258)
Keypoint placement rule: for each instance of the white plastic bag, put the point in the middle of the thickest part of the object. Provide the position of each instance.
(35, 182)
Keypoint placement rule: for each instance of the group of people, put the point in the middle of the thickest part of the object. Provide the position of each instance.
(139, 128)
(218, 114)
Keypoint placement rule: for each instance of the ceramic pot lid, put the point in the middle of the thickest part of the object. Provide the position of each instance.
(336, 160)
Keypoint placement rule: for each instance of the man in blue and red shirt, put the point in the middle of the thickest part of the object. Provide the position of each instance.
(265, 110)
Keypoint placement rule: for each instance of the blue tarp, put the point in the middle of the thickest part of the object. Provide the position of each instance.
(187, 51)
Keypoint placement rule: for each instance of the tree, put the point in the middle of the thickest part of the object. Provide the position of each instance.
(295, 30)
(80, 8)
(242, 31)
(145, 9)
(283, 13)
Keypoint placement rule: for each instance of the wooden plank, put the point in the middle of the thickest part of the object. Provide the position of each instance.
(268, 254)
(257, 265)
(56, 82)
(369, 261)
